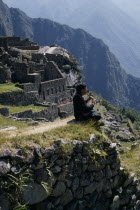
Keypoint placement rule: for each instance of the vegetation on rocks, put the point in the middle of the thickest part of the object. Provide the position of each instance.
(54, 165)
(131, 114)
(131, 160)
(129, 117)
(83, 153)
(67, 172)
(80, 131)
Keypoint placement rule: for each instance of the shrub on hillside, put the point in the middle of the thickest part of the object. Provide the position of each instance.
(108, 106)
(131, 114)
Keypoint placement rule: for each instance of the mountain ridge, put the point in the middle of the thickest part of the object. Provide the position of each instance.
(101, 70)
(103, 19)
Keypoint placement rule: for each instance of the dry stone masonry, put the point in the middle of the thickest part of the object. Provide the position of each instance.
(68, 175)
(44, 75)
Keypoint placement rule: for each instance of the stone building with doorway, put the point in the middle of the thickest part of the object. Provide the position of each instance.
(42, 76)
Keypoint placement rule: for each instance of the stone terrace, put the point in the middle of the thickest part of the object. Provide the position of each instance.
(37, 74)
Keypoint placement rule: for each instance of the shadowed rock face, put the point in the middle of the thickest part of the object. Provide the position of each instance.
(101, 70)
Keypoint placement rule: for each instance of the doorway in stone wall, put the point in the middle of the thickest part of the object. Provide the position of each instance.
(44, 95)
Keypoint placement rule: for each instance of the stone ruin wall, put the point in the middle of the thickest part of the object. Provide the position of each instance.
(18, 42)
(70, 175)
(28, 87)
(36, 67)
(21, 70)
(52, 71)
(5, 75)
(50, 114)
(52, 88)
(18, 98)
(49, 91)
(49, 82)
(28, 47)
(37, 57)
(60, 60)
(11, 40)
(41, 81)
(66, 110)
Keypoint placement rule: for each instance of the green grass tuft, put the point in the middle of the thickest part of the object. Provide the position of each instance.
(79, 132)
(131, 161)
(9, 122)
(7, 87)
(14, 109)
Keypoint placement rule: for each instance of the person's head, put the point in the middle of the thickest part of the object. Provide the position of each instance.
(81, 89)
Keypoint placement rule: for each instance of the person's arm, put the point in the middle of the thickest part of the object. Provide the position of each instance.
(80, 105)
(84, 106)
(87, 100)
(91, 98)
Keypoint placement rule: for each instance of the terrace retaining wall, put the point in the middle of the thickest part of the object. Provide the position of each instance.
(70, 175)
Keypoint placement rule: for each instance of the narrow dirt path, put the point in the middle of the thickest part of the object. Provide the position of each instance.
(47, 126)
(41, 128)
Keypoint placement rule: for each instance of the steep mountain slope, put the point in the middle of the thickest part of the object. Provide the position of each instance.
(102, 71)
(14, 21)
(117, 29)
(47, 8)
(101, 18)
(6, 26)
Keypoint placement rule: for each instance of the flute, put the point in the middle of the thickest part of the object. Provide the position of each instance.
(92, 100)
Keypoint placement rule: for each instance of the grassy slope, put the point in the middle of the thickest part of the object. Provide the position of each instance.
(131, 160)
(14, 109)
(4, 122)
(9, 122)
(80, 131)
(8, 87)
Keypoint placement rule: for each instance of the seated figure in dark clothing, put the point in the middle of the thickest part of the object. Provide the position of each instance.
(81, 110)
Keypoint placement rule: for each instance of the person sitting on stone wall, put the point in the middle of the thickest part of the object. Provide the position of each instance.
(81, 110)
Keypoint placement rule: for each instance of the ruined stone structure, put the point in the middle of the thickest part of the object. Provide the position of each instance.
(17, 42)
(69, 175)
(41, 75)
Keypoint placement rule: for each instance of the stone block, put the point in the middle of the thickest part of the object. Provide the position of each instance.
(75, 184)
(108, 172)
(91, 188)
(67, 197)
(116, 203)
(4, 111)
(59, 189)
(4, 167)
(34, 193)
(129, 180)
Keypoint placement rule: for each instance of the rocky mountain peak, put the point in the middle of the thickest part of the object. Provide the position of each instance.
(101, 70)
